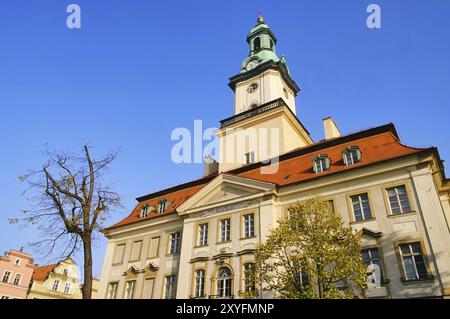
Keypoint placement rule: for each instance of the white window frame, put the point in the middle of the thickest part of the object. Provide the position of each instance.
(20, 279)
(9, 276)
(225, 229)
(67, 288)
(170, 287)
(203, 234)
(175, 243)
(199, 283)
(162, 205)
(361, 207)
(249, 225)
(412, 255)
(320, 165)
(112, 291)
(55, 282)
(250, 157)
(130, 287)
(17, 262)
(397, 197)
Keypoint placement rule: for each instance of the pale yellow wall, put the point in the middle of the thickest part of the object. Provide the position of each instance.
(43, 289)
(270, 87)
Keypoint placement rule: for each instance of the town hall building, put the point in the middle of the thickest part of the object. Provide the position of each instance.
(197, 240)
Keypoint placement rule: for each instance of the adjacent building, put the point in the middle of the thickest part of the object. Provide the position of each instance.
(56, 281)
(16, 270)
(197, 240)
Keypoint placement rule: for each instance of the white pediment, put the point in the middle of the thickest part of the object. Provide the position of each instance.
(225, 189)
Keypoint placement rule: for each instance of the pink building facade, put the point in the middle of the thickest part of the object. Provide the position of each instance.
(16, 270)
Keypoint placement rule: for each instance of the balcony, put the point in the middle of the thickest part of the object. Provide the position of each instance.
(252, 112)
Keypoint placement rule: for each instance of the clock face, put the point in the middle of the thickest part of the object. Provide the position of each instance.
(252, 64)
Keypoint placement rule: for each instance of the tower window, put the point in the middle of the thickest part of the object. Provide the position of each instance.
(271, 44)
(252, 87)
(257, 44)
(249, 157)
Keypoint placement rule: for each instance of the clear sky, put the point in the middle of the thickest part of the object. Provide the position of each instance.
(138, 69)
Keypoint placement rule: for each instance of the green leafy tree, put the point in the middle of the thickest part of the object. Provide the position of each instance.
(311, 254)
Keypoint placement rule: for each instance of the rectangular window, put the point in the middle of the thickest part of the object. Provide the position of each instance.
(154, 247)
(67, 288)
(249, 157)
(249, 225)
(17, 279)
(148, 288)
(112, 293)
(175, 240)
(203, 235)
(225, 229)
(361, 207)
(17, 262)
(6, 276)
(55, 285)
(398, 200)
(371, 258)
(136, 250)
(129, 292)
(199, 283)
(118, 254)
(170, 287)
(413, 261)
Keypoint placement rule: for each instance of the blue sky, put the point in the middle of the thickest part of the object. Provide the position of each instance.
(138, 69)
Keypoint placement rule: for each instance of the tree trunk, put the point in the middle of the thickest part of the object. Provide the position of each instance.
(87, 284)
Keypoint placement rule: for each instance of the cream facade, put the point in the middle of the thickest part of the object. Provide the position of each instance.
(59, 281)
(197, 240)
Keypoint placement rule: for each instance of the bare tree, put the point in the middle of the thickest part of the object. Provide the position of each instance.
(69, 203)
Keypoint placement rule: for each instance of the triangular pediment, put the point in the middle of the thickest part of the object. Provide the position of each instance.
(226, 189)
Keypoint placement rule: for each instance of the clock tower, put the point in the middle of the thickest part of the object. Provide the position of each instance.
(264, 100)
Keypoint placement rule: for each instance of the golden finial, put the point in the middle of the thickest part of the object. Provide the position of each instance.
(260, 19)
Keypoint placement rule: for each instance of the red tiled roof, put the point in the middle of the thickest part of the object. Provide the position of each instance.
(377, 145)
(41, 273)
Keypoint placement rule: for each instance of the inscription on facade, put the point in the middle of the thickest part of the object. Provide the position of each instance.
(227, 208)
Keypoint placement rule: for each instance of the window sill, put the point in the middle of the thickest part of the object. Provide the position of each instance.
(429, 278)
(201, 246)
(402, 214)
(223, 242)
(362, 221)
(244, 238)
(172, 254)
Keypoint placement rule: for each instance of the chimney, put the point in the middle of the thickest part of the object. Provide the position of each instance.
(211, 166)
(331, 130)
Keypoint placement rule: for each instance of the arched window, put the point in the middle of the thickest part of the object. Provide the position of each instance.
(249, 282)
(200, 283)
(321, 163)
(224, 283)
(257, 44)
(271, 44)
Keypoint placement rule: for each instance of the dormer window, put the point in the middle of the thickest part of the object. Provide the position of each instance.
(145, 210)
(257, 44)
(321, 163)
(351, 155)
(162, 205)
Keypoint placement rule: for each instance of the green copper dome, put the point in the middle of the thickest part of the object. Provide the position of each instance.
(262, 43)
